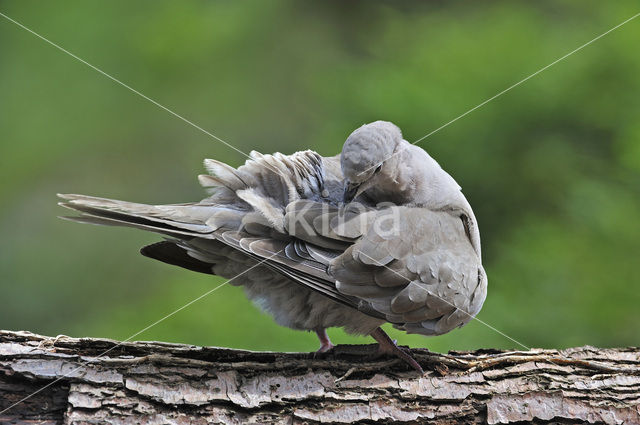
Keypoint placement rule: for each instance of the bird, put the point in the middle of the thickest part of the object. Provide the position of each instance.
(376, 234)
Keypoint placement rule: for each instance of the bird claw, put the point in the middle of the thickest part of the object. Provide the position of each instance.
(388, 346)
(325, 348)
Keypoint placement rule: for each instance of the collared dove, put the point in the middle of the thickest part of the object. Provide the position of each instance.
(380, 233)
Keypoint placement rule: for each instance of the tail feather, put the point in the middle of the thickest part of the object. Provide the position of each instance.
(104, 221)
(170, 253)
(162, 219)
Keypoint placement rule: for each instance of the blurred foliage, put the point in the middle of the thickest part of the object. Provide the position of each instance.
(552, 168)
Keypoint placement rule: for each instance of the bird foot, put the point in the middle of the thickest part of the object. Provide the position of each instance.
(325, 342)
(325, 348)
(388, 346)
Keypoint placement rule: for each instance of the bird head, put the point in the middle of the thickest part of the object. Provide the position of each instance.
(365, 155)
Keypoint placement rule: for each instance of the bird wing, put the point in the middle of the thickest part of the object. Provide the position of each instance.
(416, 267)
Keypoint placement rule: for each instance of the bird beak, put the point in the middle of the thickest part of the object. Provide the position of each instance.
(350, 191)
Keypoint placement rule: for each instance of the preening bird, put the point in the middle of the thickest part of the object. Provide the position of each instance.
(380, 233)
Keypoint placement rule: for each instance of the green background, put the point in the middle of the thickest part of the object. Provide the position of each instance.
(551, 168)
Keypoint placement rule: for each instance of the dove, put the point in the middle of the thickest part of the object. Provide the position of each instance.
(377, 234)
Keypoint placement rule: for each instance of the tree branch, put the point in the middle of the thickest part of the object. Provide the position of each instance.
(155, 382)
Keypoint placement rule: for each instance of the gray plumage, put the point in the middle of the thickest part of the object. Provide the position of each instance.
(406, 250)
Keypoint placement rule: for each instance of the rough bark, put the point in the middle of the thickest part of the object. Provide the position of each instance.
(160, 383)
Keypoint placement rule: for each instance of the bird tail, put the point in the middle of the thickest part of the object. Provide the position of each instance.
(179, 220)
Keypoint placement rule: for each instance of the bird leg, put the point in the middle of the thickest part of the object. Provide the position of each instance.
(388, 346)
(325, 342)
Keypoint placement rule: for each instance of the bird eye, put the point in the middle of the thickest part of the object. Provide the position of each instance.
(378, 168)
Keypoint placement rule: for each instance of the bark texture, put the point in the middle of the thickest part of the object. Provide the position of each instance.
(160, 383)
